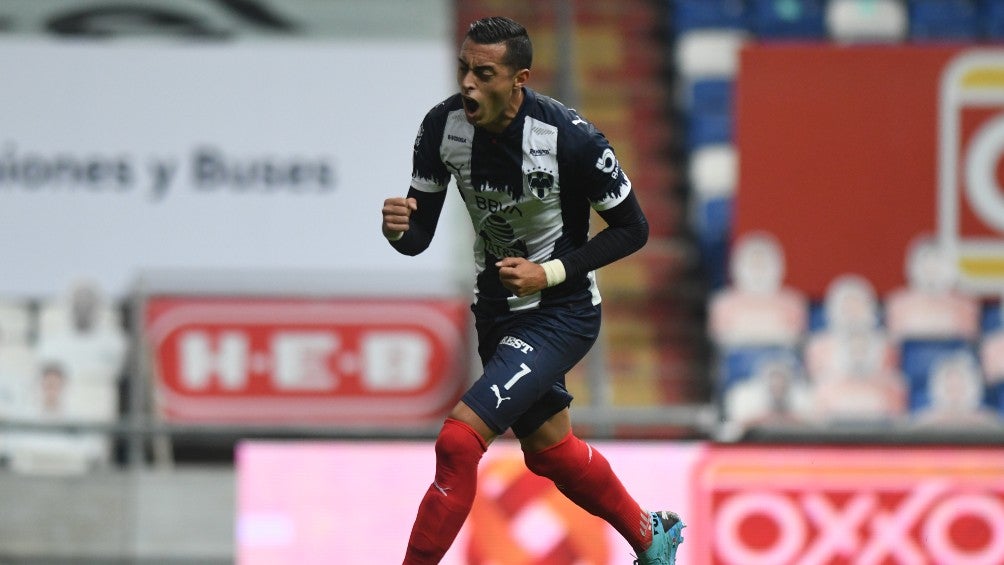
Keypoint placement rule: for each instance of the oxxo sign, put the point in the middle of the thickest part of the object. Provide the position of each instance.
(264, 360)
(818, 507)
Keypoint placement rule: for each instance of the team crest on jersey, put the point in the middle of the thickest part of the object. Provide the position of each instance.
(539, 183)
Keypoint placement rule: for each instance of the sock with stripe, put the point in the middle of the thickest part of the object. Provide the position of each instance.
(583, 475)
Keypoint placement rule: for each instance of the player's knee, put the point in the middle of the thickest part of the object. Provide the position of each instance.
(544, 463)
(561, 462)
(458, 445)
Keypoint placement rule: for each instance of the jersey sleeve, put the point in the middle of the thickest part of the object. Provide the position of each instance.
(428, 173)
(604, 181)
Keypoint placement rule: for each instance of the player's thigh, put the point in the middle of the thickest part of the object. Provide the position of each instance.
(529, 360)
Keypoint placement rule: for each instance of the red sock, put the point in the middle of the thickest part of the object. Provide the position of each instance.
(449, 499)
(583, 475)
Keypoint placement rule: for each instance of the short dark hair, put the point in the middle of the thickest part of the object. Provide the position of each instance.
(498, 29)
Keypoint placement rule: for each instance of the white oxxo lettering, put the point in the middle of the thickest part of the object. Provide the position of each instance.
(816, 530)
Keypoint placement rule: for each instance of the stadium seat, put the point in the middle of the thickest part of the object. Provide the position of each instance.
(787, 19)
(56, 318)
(710, 94)
(688, 15)
(41, 453)
(991, 19)
(867, 21)
(15, 322)
(18, 368)
(817, 316)
(714, 170)
(736, 364)
(919, 356)
(709, 53)
(712, 173)
(933, 20)
(990, 317)
(995, 397)
(708, 128)
(713, 228)
(82, 332)
(710, 116)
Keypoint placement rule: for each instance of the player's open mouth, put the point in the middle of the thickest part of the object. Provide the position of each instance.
(470, 105)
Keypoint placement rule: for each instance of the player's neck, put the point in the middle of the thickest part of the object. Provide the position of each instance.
(510, 112)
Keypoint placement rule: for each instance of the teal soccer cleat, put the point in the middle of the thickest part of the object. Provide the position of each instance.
(667, 535)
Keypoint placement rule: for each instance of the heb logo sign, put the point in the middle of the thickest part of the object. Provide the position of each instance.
(330, 361)
(869, 507)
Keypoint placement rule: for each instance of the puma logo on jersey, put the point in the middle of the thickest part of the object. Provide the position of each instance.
(498, 395)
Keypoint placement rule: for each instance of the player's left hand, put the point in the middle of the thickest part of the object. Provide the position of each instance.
(521, 276)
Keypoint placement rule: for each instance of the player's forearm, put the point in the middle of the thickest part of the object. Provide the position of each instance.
(627, 232)
(609, 245)
(412, 242)
(422, 224)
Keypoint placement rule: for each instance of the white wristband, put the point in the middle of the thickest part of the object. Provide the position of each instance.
(554, 270)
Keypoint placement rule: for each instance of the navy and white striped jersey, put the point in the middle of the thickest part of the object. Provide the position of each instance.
(528, 189)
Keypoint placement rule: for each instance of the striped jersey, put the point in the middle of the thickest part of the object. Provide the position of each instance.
(528, 189)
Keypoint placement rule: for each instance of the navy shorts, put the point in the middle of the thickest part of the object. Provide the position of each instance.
(525, 357)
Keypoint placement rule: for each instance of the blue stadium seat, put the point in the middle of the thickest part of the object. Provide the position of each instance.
(713, 226)
(712, 95)
(992, 19)
(706, 128)
(995, 397)
(990, 317)
(919, 356)
(787, 19)
(817, 316)
(737, 364)
(708, 14)
(944, 20)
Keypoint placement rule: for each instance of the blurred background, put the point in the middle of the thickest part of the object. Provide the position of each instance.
(209, 354)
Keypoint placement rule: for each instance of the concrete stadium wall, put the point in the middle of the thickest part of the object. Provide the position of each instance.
(175, 516)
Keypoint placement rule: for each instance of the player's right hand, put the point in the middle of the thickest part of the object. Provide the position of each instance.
(397, 215)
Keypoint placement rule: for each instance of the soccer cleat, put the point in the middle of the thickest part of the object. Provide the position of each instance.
(667, 535)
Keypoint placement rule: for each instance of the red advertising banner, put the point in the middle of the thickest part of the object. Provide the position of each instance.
(817, 506)
(348, 494)
(744, 505)
(250, 360)
(848, 153)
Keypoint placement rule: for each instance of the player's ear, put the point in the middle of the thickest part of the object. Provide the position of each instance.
(520, 78)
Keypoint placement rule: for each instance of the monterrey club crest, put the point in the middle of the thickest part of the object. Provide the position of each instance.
(539, 183)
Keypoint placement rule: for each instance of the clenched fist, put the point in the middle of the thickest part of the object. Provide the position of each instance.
(521, 276)
(396, 216)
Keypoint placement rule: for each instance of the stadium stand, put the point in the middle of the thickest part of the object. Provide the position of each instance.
(850, 305)
(712, 172)
(911, 330)
(756, 308)
(67, 372)
(944, 20)
(867, 21)
(702, 14)
(772, 20)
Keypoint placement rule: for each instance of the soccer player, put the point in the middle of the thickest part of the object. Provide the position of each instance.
(528, 169)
